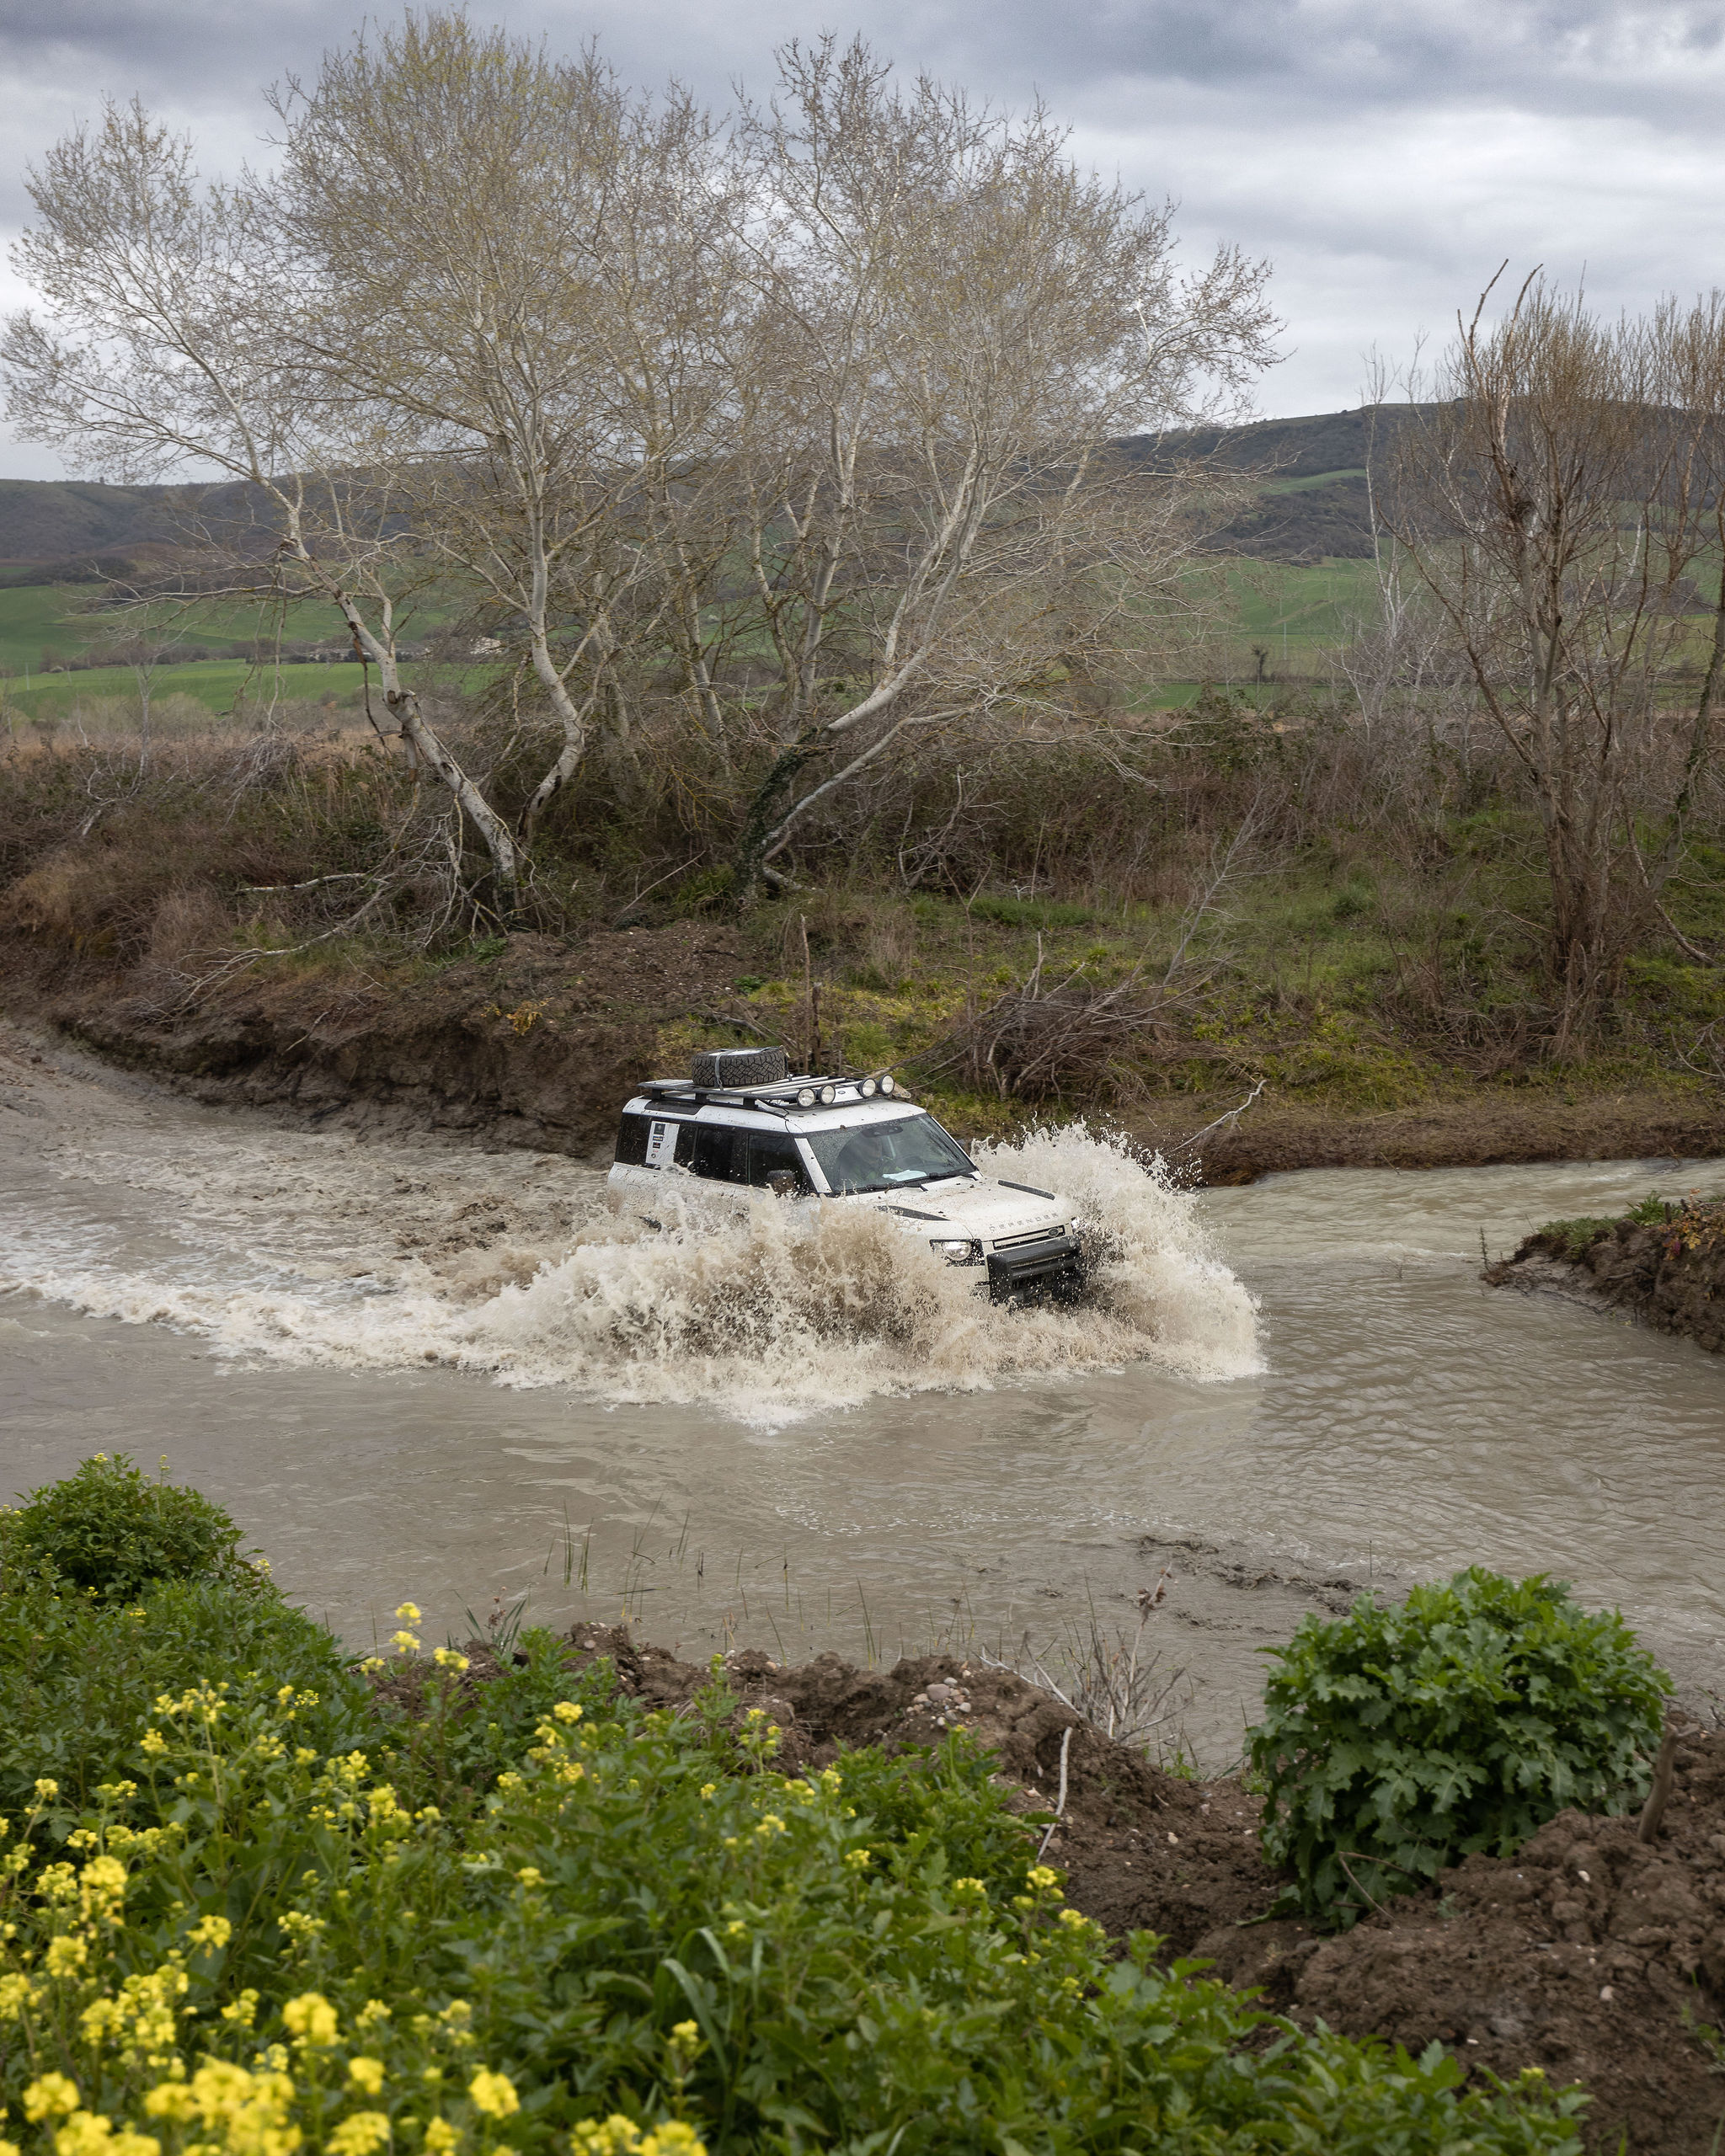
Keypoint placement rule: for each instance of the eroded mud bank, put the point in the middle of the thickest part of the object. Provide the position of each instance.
(1669, 1275)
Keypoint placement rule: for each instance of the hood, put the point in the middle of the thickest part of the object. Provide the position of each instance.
(983, 1209)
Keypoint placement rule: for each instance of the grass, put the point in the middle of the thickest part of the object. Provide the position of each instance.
(1316, 977)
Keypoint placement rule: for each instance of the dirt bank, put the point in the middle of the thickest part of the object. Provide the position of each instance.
(1669, 1274)
(537, 1045)
(1587, 1955)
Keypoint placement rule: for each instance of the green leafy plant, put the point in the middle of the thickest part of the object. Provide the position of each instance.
(1396, 1741)
(112, 1531)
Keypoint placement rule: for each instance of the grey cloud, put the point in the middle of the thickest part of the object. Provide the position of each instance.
(1386, 153)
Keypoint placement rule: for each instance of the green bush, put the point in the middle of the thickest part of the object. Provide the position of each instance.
(76, 1676)
(111, 1531)
(1397, 1741)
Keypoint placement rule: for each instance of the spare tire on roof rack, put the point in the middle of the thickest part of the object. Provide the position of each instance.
(726, 1067)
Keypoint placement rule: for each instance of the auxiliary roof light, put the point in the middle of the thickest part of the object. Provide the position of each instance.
(889, 1084)
(866, 1089)
(805, 1097)
(828, 1094)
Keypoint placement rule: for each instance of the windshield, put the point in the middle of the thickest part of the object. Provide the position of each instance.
(882, 1155)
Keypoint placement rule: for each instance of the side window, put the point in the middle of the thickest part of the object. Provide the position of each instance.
(766, 1153)
(632, 1140)
(705, 1150)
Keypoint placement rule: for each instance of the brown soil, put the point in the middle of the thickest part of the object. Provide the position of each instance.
(1588, 1956)
(1670, 1277)
(539, 1046)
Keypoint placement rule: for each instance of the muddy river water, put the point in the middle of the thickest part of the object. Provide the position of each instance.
(417, 1370)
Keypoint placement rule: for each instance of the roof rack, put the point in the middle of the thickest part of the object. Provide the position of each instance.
(785, 1094)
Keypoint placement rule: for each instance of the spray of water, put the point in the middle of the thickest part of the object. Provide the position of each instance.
(778, 1312)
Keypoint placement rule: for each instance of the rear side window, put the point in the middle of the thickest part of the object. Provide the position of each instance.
(706, 1149)
(766, 1152)
(631, 1141)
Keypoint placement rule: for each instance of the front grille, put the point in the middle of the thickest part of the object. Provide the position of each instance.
(1036, 1236)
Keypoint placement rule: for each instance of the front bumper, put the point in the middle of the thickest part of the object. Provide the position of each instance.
(1054, 1261)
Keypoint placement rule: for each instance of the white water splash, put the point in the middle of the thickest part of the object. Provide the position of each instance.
(312, 1249)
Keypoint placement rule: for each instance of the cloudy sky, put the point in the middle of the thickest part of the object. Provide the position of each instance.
(1386, 155)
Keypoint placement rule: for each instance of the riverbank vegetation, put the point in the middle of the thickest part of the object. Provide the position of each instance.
(268, 1896)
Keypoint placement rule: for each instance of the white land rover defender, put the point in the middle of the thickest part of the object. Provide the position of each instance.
(743, 1121)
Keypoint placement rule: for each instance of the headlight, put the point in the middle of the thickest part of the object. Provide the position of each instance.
(958, 1251)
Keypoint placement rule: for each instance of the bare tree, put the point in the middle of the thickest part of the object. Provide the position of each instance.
(952, 322)
(171, 347)
(513, 252)
(1559, 489)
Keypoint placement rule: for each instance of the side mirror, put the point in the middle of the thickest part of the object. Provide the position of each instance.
(783, 1182)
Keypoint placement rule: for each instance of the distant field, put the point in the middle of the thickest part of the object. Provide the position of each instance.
(216, 683)
(36, 618)
(1292, 611)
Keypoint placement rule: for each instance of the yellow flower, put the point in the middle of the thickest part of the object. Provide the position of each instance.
(48, 1787)
(567, 1710)
(408, 1613)
(1074, 1919)
(310, 2018)
(211, 1933)
(969, 1886)
(672, 2138)
(530, 1875)
(50, 2098)
(153, 1742)
(617, 2137)
(440, 2136)
(87, 2133)
(1044, 1878)
(358, 2134)
(493, 2093)
(65, 1955)
(18, 1994)
(448, 1658)
(857, 1858)
(371, 2014)
(708, 1788)
(404, 1642)
(771, 1824)
(243, 2011)
(365, 2074)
